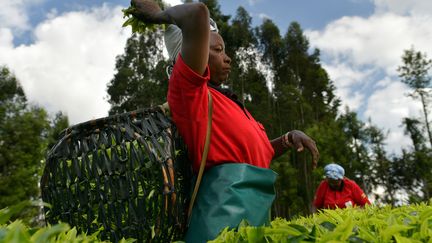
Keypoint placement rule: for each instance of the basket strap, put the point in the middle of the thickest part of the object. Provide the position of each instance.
(204, 155)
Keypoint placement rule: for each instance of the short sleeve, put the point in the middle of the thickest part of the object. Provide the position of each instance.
(187, 92)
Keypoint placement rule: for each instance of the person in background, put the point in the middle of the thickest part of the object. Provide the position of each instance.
(237, 184)
(337, 191)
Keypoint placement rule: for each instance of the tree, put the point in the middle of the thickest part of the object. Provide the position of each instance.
(416, 161)
(415, 73)
(23, 131)
(140, 80)
(382, 169)
(58, 125)
(220, 19)
(358, 165)
(269, 45)
(247, 79)
(304, 96)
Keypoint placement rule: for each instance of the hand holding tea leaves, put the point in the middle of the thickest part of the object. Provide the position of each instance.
(143, 14)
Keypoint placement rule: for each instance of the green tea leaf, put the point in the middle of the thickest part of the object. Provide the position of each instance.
(44, 234)
(401, 239)
(8, 212)
(394, 230)
(17, 233)
(71, 234)
(425, 231)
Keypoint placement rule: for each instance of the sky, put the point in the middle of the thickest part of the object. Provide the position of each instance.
(63, 52)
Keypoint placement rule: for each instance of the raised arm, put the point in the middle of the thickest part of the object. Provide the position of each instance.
(192, 19)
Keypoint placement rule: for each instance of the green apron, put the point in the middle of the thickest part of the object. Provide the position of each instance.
(228, 194)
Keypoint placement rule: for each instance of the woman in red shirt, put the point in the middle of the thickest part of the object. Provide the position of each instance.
(337, 191)
(237, 183)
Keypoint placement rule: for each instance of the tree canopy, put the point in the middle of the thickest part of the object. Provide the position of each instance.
(24, 134)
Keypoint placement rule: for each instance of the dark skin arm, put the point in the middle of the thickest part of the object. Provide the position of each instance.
(192, 19)
(298, 140)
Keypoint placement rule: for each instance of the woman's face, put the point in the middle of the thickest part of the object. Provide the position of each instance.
(219, 62)
(334, 184)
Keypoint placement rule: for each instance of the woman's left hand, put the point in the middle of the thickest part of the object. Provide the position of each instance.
(299, 140)
(147, 11)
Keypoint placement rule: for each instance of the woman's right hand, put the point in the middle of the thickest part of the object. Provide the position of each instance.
(148, 11)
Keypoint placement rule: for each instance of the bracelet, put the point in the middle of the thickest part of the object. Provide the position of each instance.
(285, 140)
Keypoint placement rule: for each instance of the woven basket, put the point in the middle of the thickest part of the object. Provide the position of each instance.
(126, 176)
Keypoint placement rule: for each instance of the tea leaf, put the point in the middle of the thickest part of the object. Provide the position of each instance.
(8, 212)
(44, 234)
(17, 233)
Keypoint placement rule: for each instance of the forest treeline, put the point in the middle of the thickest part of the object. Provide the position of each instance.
(280, 80)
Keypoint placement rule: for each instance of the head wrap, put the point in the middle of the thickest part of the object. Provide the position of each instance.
(173, 39)
(334, 171)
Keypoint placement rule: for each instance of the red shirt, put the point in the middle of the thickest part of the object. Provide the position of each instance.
(350, 195)
(235, 135)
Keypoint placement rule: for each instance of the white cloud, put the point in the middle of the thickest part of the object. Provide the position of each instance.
(345, 78)
(253, 2)
(386, 108)
(412, 7)
(6, 38)
(263, 16)
(70, 62)
(361, 56)
(351, 98)
(378, 40)
(13, 14)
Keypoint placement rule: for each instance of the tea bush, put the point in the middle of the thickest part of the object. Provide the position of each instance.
(19, 232)
(411, 223)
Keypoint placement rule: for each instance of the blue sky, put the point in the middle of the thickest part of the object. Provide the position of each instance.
(311, 14)
(63, 52)
(300, 11)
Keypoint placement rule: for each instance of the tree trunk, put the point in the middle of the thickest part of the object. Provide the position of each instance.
(423, 100)
(426, 195)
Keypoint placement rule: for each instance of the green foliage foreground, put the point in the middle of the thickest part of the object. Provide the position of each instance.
(411, 223)
(373, 224)
(17, 231)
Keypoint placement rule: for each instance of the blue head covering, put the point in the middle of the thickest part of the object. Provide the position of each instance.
(334, 171)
